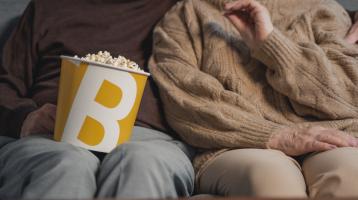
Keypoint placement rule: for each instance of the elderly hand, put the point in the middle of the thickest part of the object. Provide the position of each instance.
(251, 19)
(352, 36)
(40, 122)
(295, 142)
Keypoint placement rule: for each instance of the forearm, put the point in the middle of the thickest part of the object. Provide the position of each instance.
(309, 76)
(217, 132)
(352, 35)
(206, 115)
(309, 67)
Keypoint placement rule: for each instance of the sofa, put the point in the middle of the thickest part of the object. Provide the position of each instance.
(10, 11)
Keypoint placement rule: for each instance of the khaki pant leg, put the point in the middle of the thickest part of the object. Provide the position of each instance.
(253, 172)
(332, 173)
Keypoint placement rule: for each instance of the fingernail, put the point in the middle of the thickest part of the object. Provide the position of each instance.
(333, 146)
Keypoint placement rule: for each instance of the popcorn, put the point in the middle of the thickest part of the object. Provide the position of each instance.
(105, 57)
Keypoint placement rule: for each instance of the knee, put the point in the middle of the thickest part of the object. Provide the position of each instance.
(150, 157)
(74, 160)
(166, 170)
(347, 175)
(277, 175)
(62, 157)
(333, 173)
(255, 172)
(346, 160)
(38, 159)
(262, 161)
(156, 162)
(136, 154)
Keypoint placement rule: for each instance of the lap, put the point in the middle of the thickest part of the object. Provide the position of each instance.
(333, 159)
(38, 145)
(254, 158)
(33, 152)
(253, 172)
(153, 138)
(150, 165)
(149, 157)
(145, 143)
(35, 167)
(5, 140)
(150, 146)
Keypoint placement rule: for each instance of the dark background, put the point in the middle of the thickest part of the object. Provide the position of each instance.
(11, 9)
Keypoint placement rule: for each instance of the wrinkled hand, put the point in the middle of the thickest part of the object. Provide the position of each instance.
(352, 36)
(41, 121)
(251, 19)
(295, 142)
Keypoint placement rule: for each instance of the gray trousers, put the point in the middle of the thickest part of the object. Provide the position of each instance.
(151, 165)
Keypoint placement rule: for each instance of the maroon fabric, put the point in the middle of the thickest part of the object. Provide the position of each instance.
(30, 68)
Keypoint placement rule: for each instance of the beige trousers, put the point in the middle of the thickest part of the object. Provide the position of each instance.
(270, 173)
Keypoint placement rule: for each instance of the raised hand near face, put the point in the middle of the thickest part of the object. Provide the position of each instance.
(251, 19)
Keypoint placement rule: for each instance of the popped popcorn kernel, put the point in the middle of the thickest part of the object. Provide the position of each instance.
(104, 57)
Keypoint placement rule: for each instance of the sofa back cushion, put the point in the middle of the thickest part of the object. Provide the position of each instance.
(10, 11)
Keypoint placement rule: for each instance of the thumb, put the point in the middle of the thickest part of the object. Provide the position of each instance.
(350, 38)
(50, 110)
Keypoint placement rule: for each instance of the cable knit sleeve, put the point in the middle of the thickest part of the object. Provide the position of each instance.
(196, 104)
(316, 69)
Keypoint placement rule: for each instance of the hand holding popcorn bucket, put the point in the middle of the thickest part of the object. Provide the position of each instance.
(97, 103)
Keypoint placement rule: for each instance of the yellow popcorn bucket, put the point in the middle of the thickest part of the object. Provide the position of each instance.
(97, 104)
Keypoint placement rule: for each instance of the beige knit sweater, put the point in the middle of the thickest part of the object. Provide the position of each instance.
(218, 95)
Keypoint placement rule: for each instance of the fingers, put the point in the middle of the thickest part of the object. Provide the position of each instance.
(49, 107)
(245, 8)
(333, 136)
(333, 139)
(315, 146)
(49, 110)
(352, 36)
(41, 121)
(252, 20)
(350, 40)
(240, 14)
(348, 138)
(242, 5)
(237, 21)
(345, 139)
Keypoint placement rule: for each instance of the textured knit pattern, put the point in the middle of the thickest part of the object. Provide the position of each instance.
(218, 94)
